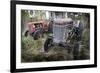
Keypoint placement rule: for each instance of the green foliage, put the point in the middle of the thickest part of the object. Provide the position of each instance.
(24, 19)
(86, 38)
(85, 51)
(24, 13)
(39, 15)
(31, 51)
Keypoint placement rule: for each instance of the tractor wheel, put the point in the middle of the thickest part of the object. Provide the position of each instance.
(36, 35)
(47, 44)
(26, 33)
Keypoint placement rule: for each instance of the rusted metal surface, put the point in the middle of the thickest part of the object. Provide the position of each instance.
(32, 26)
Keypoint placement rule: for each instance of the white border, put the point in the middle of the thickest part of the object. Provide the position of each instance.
(20, 65)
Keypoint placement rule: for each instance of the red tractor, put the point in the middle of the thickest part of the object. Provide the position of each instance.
(36, 29)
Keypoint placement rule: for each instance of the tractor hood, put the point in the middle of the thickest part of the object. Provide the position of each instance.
(63, 21)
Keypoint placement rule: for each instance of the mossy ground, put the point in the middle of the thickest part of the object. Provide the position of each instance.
(32, 50)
